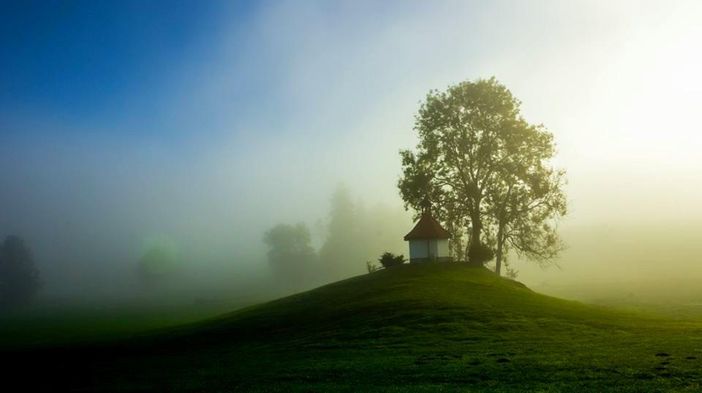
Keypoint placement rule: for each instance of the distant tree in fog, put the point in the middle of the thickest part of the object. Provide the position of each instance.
(372, 267)
(290, 254)
(19, 278)
(156, 264)
(342, 251)
(356, 234)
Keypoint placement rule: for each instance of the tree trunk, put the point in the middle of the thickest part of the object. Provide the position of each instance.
(498, 251)
(474, 247)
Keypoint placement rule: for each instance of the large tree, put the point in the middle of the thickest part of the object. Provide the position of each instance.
(526, 199)
(476, 152)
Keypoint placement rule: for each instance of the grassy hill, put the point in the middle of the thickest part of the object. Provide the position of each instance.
(445, 327)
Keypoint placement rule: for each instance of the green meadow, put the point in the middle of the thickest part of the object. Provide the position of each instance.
(435, 327)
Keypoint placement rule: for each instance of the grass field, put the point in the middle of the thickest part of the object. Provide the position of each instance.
(70, 324)
(441, 327)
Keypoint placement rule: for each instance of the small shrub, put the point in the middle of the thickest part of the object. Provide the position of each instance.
(372, 267)
(479, 254)
(389, 259)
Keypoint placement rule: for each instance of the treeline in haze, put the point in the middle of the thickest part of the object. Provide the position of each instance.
(353, 234)
(287, 257)
(297, 255)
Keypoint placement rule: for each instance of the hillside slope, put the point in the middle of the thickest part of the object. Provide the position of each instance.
(435, 327)
(408, 298)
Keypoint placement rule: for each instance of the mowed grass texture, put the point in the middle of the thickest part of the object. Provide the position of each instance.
(423, 328)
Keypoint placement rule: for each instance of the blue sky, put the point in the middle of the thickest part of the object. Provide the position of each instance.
(89, 61)
(124, 67)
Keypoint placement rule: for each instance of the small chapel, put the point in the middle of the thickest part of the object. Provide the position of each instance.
(428, 240)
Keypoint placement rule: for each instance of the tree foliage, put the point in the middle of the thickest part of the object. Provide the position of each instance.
(526, 201)
(341, 252)
(355, 233)
(19, 278)
(290, 254)
(486, 172)
(350, 235)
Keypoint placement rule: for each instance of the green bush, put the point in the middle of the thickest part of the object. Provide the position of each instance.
(479, 254)
(389, 259)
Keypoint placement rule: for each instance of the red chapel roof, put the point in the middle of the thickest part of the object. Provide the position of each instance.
(427, 228)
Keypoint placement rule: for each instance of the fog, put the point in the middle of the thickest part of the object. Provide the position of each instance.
(263, 120)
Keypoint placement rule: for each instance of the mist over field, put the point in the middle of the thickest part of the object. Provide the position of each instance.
(262, 113)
